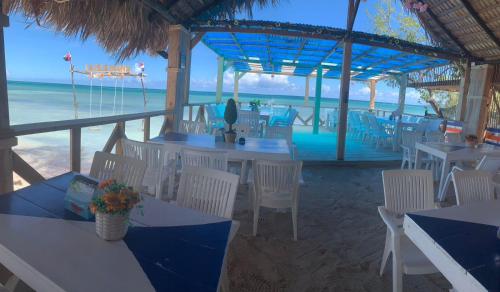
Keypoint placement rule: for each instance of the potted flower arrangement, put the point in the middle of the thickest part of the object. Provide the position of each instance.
(112, 209)
(230, 116)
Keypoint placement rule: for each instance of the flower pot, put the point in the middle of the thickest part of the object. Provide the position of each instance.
(111, 226)
(230, 137)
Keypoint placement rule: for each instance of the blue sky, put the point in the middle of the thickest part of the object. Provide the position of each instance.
(35, 53)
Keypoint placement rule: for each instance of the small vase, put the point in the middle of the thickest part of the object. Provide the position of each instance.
(111, 226)
(230, 137)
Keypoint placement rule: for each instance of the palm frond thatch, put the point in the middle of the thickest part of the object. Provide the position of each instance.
(464, 25)
(126, 28)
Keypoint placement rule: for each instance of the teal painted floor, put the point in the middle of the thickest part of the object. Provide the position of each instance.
(323, 147)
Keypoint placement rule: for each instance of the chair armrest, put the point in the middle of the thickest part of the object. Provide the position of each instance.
(394, 224)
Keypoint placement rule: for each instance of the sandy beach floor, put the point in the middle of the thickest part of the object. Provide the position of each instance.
(341, 236)
(340, 244)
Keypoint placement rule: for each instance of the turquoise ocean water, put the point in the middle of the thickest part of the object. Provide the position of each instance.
(31, 102)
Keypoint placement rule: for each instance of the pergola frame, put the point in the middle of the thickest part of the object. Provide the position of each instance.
(233, 47)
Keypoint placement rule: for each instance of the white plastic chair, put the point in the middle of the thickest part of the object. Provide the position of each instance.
(472, 186)
(404, 191)
(207, 190)
(160, 165)
(489, 163)
(275, 185)
(280, 132)
(192, 127)
(251, 121)
(204, 158)
(126, 170)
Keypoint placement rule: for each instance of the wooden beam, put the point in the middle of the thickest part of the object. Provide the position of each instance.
(373, 89)
(161, 10)
(480, 21)
(236, 85)
(220, 80)
(147, 129)
(317, 100)
(464, 91)
(45, 127)
(447, 31)
(294, 30)
(299, 52)
(6, 153)
(163, 54)
(25, 170)
(196, 39)
(344, 99)
(306, 94)
(351, 15)
(75, 149)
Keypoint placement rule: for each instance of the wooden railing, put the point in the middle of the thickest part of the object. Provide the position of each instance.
(305, 120)
(31, 175)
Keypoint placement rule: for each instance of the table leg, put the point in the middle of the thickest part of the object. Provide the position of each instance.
(418, 159)
(445, 169)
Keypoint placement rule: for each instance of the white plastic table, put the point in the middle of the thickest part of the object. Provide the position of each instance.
(462, 242)
(253, 149)
(53, 249)
(450, 153)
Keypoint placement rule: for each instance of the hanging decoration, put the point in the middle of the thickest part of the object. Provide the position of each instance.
(416, 5)
(101, 72)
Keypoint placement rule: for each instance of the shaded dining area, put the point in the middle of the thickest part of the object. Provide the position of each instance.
(233, 197)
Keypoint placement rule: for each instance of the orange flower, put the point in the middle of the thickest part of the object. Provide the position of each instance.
(103, 184)
(93, 208)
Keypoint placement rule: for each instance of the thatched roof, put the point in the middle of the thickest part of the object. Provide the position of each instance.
(470, 26)
(126, 27)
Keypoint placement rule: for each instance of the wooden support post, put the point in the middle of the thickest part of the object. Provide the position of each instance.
(147, 128)
(478, 100)
(220, 79)
(178, 82)
(26, 171)
(373, 90)
(121, 134)
(201, 114)
(190, 115)
(306, 94)
(236, 85)
(464, 91)
(6, 177)
(344, 98)
(403, 83)
(75, 149)
(317, 101)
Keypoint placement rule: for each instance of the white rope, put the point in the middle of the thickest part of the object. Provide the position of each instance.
(100, 103)
(90, 104)
(114, 97)
(123, 81)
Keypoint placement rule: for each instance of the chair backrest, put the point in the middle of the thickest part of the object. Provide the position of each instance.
(249, 120)
(409, 138)
(408, 190)
(489, 163)
(472, 186)
(126, 170)
(192, 127)
(434, 136)
(204, 158)
(207, 190)
(292, 115)
(280, 132)
(274, 178)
